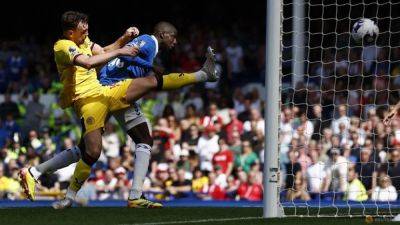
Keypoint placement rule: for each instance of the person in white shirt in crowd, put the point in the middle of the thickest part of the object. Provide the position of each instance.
(105, 187)
(336, 172)
(286, 130)
(207, 147)
(343, 118)
(385, 191)
(111, 143)
(316, 173)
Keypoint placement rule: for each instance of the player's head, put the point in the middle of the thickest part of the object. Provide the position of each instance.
(75, 26)
(166, 34)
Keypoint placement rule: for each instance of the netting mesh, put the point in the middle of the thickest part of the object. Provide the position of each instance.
(337, 158)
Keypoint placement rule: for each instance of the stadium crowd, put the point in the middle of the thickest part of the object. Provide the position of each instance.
(205, 145)
(209, 139)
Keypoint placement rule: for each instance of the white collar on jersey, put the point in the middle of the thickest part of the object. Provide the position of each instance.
(155, 40)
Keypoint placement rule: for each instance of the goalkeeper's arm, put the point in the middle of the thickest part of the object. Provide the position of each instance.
(392, 114)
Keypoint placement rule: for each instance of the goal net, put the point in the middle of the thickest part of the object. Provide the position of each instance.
(336, 156)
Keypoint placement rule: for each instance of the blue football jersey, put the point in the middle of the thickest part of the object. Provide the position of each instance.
(131, 67)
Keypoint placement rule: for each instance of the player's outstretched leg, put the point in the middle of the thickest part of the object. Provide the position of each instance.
(172, 81)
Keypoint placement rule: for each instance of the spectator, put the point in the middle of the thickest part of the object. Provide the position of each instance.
(247, 158)
(355, 189)
(192, 138)
(207, 147)
(8, 107)
(256, 118)
(254, 191)
(215, 191)
(35, 109)
(223, 158)
(110, 141)
(385, 191)
(173, 124)
(106, 186)
(212, 117)
(234, 125)
(199, 182)
(392, 168)
(293, 173)
(367, 170)
(243, 185)
(342, 119)
(123, 185)
(336, 172)
(180, 187)
(316, 173)
(163, 138)
(190, 115)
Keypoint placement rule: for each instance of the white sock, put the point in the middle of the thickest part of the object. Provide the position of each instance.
(142, 159)
(35, 173)
(61, 160)
(201, 76)
(70, 194)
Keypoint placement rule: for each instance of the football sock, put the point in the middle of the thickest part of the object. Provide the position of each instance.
(61, 160)
(81, 173)
(142, 159)
(177, 80)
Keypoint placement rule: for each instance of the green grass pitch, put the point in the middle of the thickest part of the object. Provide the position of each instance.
(125, 216)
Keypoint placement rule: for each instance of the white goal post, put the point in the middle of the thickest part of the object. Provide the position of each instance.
(272, 110)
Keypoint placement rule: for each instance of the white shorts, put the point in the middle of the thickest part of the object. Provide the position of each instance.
(130, 117)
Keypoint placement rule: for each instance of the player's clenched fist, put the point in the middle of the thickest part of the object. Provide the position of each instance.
(131, 32)
(129, 51)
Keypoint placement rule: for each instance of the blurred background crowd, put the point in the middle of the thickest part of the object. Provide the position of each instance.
(208, 138)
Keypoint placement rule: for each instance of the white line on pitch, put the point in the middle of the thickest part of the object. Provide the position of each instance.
(195, 221)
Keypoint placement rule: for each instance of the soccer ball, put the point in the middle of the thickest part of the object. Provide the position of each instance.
(365, 31)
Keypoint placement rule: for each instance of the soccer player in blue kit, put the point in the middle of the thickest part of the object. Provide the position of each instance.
(132, 119)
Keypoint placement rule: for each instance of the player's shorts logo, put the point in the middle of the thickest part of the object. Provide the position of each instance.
(90, 120)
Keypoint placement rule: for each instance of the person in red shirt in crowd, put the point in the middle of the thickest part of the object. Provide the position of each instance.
(234, 125)
(215, 191)
(163, 136)
(223, 158)
(211, 118)
(241, 191)
(254, 190)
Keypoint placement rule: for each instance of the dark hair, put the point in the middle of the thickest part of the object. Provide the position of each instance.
(71, 19)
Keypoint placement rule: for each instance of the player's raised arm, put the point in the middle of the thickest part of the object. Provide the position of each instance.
(89, 62)
(129, 34)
